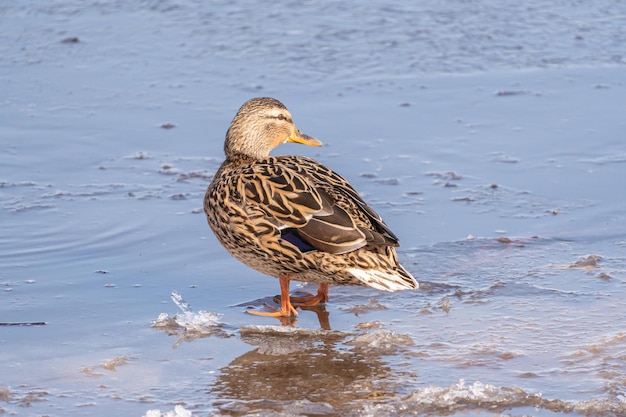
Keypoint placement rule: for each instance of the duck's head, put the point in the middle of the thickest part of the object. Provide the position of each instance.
(259, 126)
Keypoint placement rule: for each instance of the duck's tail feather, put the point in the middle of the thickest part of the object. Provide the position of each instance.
(391, 280)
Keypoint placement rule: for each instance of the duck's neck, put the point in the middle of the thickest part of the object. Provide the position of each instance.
(239, 158)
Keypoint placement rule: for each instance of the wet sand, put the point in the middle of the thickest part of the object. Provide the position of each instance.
(490, 140)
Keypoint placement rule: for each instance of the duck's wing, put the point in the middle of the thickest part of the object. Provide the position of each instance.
(314, 207)
(306, 215)
(345, 197)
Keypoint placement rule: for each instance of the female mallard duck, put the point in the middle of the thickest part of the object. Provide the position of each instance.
(291, 217)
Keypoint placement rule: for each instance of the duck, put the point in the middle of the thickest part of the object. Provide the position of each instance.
(293, 218)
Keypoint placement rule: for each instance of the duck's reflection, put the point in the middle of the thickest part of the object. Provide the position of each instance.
(319, 310)
(292, 367)
(323, 317)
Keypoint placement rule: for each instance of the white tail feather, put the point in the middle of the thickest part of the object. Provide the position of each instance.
(385, 280)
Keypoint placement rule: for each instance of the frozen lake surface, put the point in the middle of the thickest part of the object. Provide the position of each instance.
(489, 135)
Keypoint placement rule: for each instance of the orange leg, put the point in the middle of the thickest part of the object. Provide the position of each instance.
(311, 300)
(286, 308)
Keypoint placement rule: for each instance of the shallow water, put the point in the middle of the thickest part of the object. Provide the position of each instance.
(488, 135)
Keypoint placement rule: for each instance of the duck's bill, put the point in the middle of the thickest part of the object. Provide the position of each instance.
(299, 137)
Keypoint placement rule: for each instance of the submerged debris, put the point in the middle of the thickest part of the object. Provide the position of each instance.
(114, 363)
(5, 394)
(110, 365)
(168, 169)
(373, 305)
(203, 174)
(139, 156)
(586, 262)
(444, 304)
(504, 158)
(387, 181)
(450, 175)
(501, 93)
(33, 397)
(369, 325)
(23, 323)
(466, 199)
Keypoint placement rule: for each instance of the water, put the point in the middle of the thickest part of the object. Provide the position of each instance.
(487, 134)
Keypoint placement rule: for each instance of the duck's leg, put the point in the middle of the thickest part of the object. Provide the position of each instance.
(311, 300)
(286, 308)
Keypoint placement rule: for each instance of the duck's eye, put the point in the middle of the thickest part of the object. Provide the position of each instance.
(281, 117)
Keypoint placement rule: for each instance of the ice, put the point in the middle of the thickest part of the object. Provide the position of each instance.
(189, 324)
(178, 411)
(459, 398)
(269, 330)
(382, 342)
(285, 340)
(605, 406)
(460, 393)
